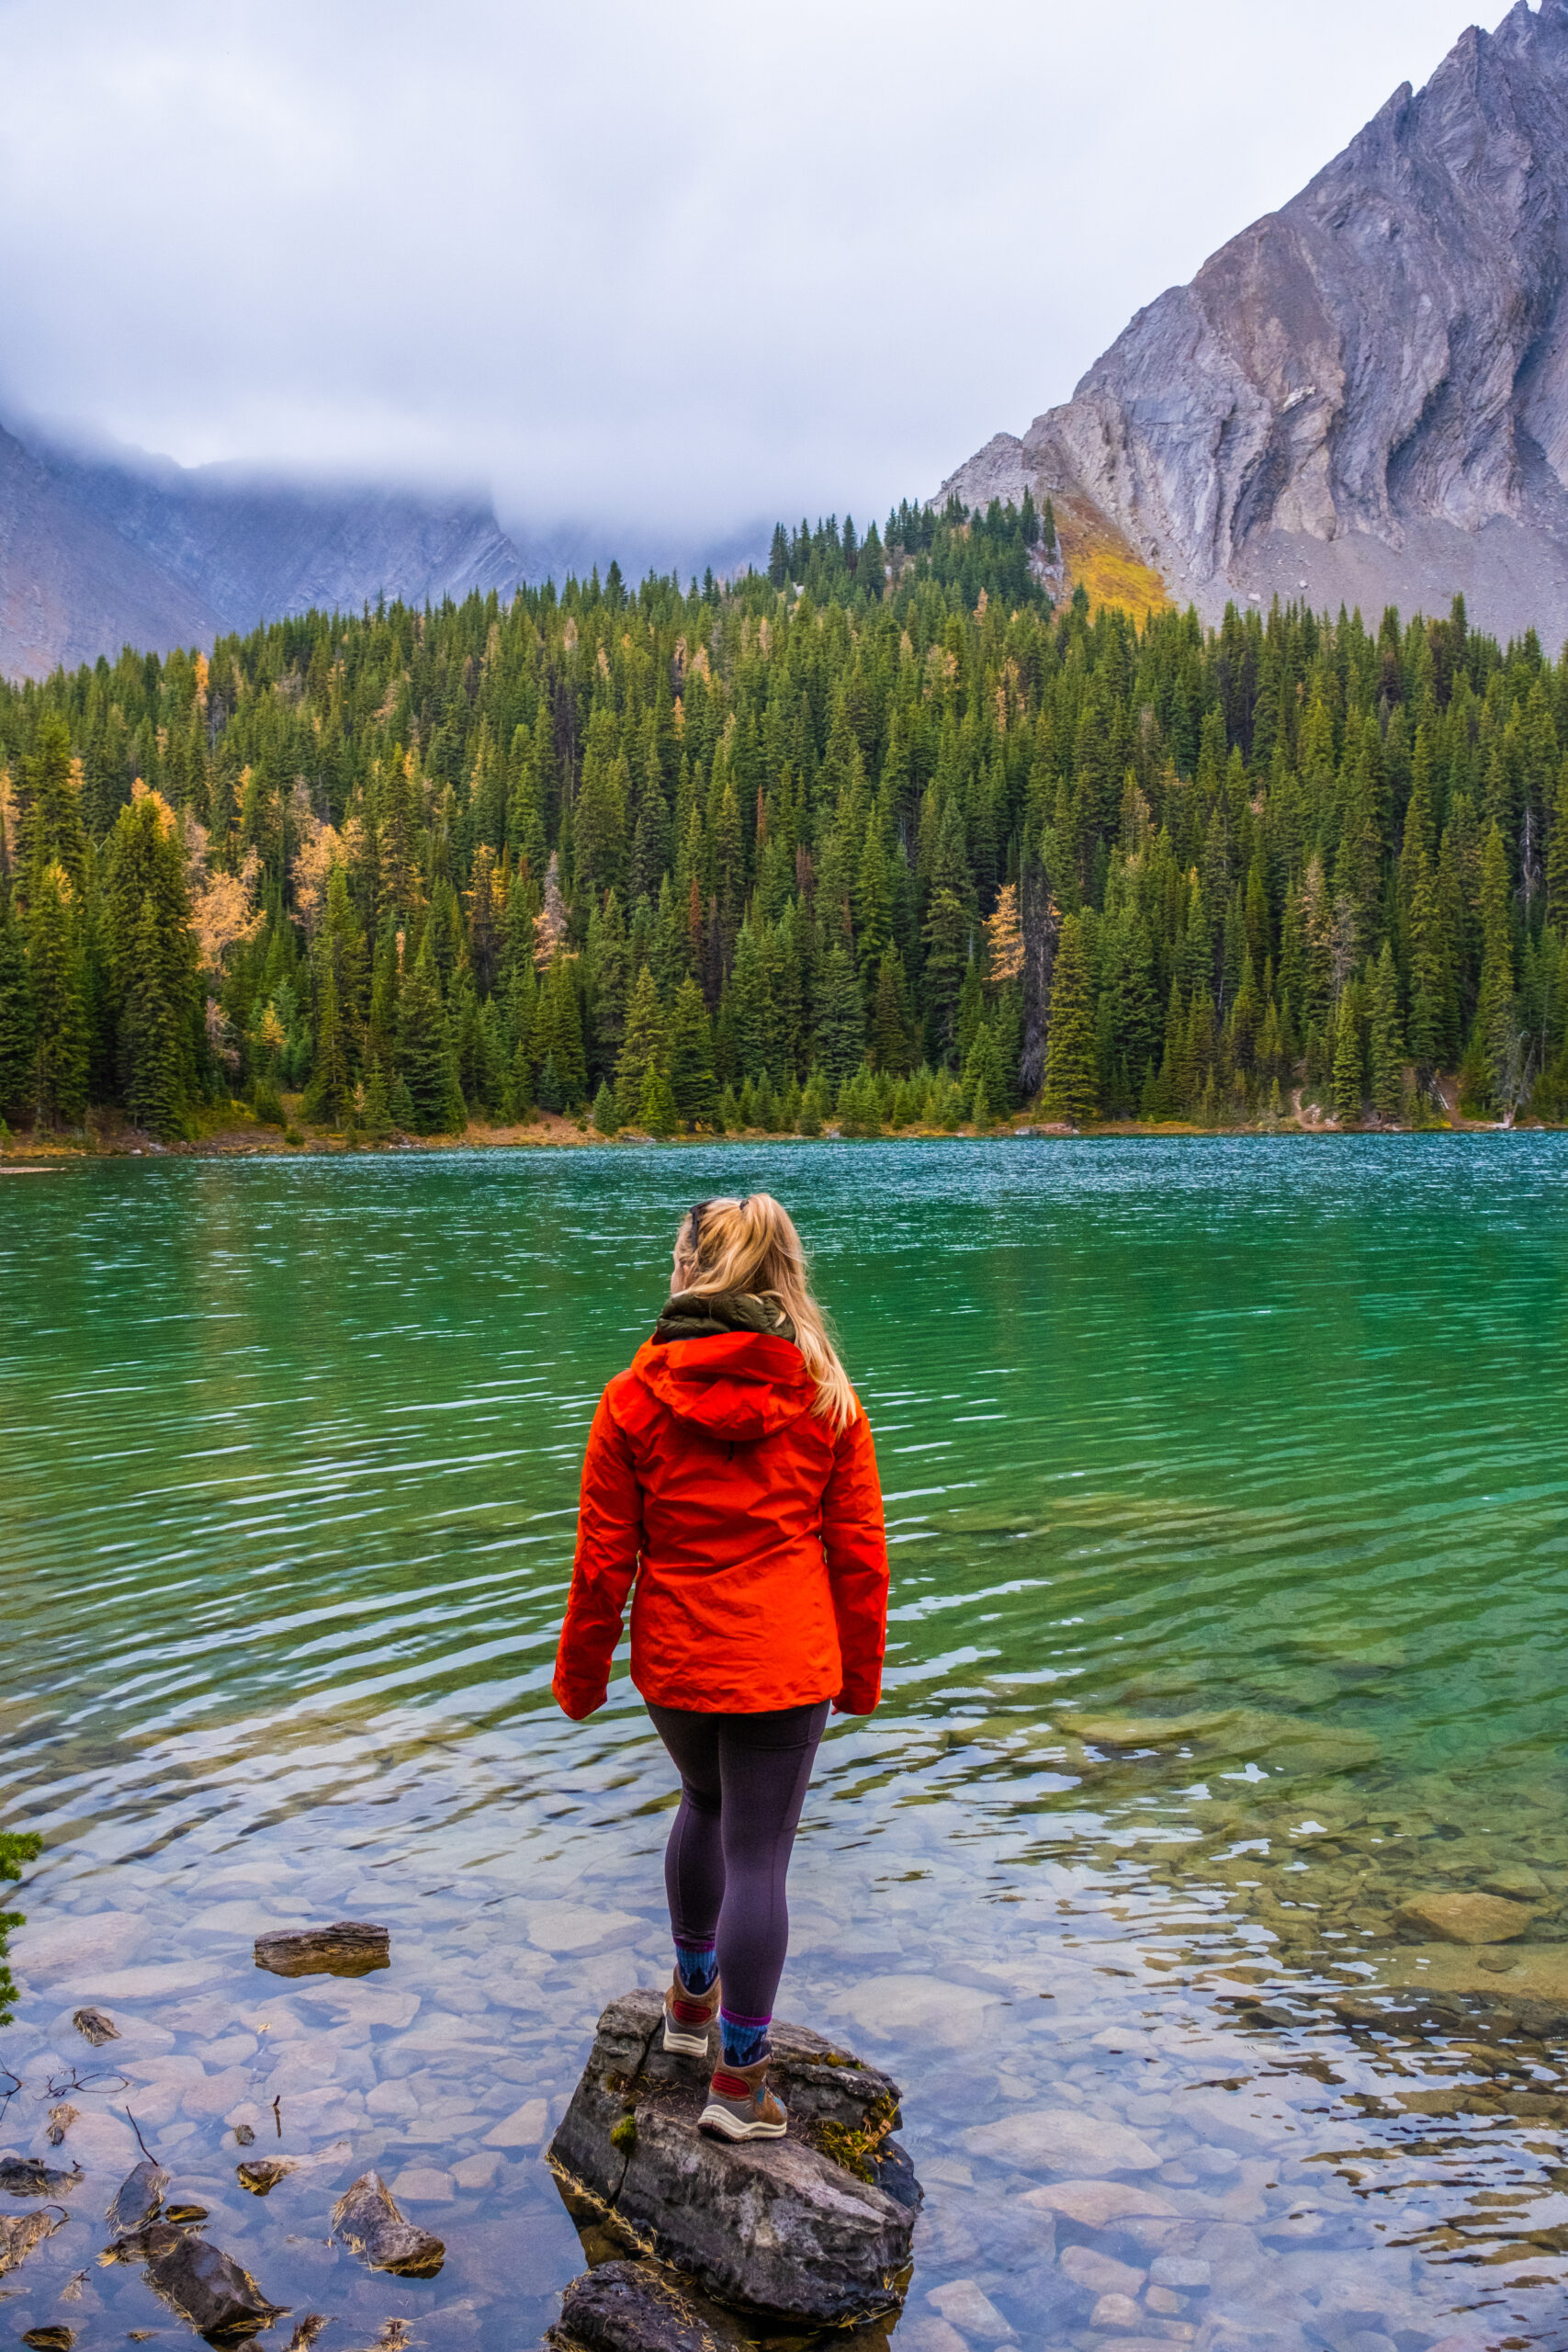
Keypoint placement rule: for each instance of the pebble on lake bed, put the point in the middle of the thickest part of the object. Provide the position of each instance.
(1060, 2139)
(96, 2026)
(1462, 1919)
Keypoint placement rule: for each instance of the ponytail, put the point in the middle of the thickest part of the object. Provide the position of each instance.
(752, 1246)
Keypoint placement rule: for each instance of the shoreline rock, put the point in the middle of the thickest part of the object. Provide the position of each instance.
(813, 2230)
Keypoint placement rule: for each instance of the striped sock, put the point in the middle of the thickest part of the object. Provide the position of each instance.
(696, 1967)
(745, 2038)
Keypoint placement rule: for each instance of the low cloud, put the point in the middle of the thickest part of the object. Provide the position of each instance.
(674, 269)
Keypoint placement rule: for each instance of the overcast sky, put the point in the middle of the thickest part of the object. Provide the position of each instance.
(698, 260)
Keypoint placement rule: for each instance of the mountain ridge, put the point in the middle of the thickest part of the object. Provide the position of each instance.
(98, 550)
(1363, 396)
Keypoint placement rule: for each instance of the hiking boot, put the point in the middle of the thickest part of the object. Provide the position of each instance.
(742, 2107)
(687, 2017)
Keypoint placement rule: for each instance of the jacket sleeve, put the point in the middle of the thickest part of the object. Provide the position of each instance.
(609, 1538)
(855, 1542)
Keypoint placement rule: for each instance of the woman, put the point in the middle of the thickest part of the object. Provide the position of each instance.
(730, 1471)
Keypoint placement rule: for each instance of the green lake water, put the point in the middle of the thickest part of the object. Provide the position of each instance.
(1229, 1512)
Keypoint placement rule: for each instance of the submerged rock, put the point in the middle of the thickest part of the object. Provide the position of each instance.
(814, 2228)
(263, 2175)
(97, 2028)
(210, 2290)
(138, 2196)
(367, 2221)
(26, 2177)
(152, 2240)
(629, 2307)
(49, 2339)
(1461, 1918)
(19, 2232)
(348, 1947)
(1061, 2139)
(60, 2118)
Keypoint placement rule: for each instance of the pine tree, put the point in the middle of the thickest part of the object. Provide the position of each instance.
(645, 1046)
(51, 831)
(841, 1019)
(54, 974)
(889, 1033)
(19, 1039)
(607, 1118)
(427, 1064)
(655, 1110)
(330, 1087)
(1495, 1020)
(1071, 1089)
(1348, 1062)
(558, 1034)
(150, 1025)
(1387, 1043)
(692, 1080)
(377, 1109)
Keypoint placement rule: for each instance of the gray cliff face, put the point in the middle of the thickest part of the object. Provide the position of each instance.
(99, 552)
(1364, 395)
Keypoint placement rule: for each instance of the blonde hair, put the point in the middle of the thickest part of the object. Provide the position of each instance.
(752, 1246)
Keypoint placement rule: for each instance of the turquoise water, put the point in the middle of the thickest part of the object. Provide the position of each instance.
(1228, 1502)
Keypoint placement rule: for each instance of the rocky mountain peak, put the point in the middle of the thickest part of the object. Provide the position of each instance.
(1364, 396)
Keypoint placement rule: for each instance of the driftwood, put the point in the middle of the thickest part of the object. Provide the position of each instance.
(348, 1947)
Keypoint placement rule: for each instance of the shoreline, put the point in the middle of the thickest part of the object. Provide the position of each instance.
(249, 1140)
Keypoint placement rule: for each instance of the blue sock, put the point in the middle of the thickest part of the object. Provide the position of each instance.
(744, 2040)
(696, 1967)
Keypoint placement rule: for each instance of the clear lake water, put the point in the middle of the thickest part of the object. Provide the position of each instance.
(1228, 1507)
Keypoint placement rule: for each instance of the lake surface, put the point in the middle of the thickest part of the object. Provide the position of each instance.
(1227, 1495)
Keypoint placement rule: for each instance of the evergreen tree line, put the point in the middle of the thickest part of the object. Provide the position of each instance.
(875, 834)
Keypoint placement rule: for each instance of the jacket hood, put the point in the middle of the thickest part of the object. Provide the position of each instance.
(739, 1385)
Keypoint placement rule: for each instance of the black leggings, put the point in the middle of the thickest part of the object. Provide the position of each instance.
(742, 1784)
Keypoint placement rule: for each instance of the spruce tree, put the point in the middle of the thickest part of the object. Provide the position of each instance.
(330, 1085)
(54, 974)
(1348, 1062)
(558, 1033)
(644, 1049)
(607, 1118)
(17, 1033)
(150, 1026)
(841, 1019)
(428, 1063)
(1071, 1089)
(1496, 1025)
(692, 1078)
(656, 1109)
(1387, 1043)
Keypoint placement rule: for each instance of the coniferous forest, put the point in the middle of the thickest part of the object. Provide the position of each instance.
(879, 837)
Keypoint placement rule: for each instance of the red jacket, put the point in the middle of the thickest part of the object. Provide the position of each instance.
(753, 1530)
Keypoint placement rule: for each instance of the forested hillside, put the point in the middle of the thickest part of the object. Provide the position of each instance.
(876, 835)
